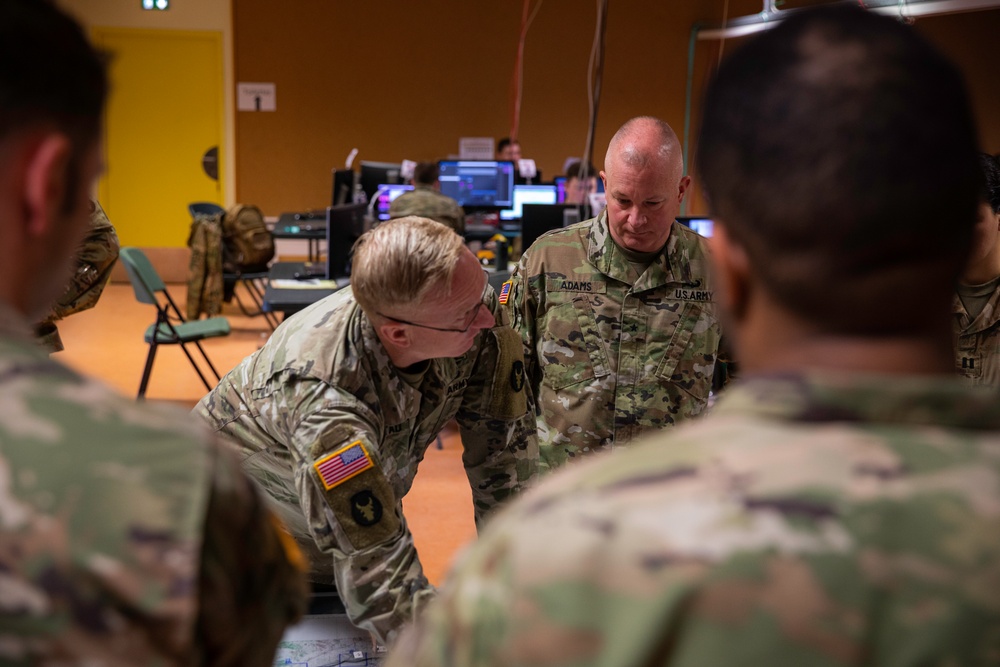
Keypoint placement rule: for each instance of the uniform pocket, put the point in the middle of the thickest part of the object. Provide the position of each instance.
(571, 349)
(689, 358)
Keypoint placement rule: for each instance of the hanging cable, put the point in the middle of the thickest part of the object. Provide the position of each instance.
(595, 76)
(518, 81)
(722, 41)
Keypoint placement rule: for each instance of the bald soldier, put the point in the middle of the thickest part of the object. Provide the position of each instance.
(123, 528)
(840, 506)
(616, 314)
(335, 412)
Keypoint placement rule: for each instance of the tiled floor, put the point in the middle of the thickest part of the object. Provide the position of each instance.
(106, 342)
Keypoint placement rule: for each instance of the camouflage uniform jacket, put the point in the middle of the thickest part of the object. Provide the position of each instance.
(609, 355)
(977, 343)
(205, 282)
(323, 392)
(95, 258)
(808, 521)
(427, 202)
(123, 532)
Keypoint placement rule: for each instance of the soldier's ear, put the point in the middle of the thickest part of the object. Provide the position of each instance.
(393, 333)
(46, 181)
(733, 278)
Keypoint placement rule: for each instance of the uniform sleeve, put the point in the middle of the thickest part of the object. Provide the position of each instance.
(253, 581)
(355, 517)
(95, 258)
(496, 420)
(519, 312)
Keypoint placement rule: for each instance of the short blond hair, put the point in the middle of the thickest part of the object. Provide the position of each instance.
(400, 261)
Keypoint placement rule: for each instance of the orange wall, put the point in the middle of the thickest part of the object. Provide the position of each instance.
(405, 80)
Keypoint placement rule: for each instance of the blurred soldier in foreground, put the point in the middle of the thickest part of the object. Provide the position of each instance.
(94, 260)
(336, 411)
(841, 506)
(123, 533)
(616, 313)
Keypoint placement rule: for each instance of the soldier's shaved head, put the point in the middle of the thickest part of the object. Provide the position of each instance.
(643, 140)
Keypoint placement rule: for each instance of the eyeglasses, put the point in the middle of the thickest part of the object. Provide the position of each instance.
(468, 323)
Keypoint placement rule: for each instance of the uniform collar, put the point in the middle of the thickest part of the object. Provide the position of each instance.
(671, 266)
(931, 400)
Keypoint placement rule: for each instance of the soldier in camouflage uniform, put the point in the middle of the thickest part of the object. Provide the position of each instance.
(337, 409)
(840, 506)
(977, 298)
(94, 260)
(616, 314)
(123, 531)
(426, 200)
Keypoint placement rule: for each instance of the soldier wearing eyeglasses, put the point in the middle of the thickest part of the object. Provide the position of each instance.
(337, 409)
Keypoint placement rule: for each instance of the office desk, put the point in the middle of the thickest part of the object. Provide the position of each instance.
(481, 232)
(291, 300)
(310, 225)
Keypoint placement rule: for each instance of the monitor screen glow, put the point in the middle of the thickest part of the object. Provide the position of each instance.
(483, 184)
(387, 194)
(528, 194)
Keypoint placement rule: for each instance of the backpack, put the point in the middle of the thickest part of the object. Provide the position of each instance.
(247, 244)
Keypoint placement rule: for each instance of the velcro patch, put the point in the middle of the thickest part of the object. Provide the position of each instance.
(507, 396)
(505, 291)
(358, 493)
(574, 285)
(343, 464)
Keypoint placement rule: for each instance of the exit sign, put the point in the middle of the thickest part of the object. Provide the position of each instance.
(156, 4)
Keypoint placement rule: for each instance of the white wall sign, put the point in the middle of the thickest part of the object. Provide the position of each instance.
(475, 148)
(255, 97)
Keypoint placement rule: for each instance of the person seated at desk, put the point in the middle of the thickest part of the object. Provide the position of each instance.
(335, 412)
(426, 200)
(578, 186)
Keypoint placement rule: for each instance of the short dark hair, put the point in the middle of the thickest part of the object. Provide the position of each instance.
(50, 75)
(504, 143)
(49, 72)
(990, 165)
(573, 170)
(426, 173)
(839, 150)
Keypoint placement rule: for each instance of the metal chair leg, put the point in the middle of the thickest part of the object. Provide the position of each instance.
(144, 383)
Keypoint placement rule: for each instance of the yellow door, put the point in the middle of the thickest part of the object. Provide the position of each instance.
(165, 113)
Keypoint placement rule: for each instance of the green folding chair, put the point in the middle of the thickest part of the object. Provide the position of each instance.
(170, 327)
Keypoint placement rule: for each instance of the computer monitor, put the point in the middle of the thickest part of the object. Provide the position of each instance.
(344, 224)
(536, 219)
(374, 174)
(700, 224)
(560, 185)
(478, 184)
(343, 187)
(386, 195)
(528, 194)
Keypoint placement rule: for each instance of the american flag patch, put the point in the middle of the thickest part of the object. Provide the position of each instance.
(505, 292)
(343, 464)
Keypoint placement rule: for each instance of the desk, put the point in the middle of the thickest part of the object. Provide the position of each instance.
(310, 226)
(481, 232)
(290, 300)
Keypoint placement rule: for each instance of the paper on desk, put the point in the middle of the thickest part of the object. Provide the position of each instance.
(309, 283)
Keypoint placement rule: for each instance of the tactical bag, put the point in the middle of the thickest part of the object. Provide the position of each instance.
(247, 244)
